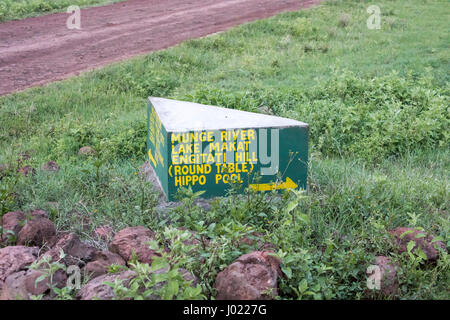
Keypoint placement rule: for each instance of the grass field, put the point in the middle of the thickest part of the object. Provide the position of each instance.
(19, 9)
(377, 102)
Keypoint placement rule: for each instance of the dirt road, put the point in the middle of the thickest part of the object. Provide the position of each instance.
(39, 50)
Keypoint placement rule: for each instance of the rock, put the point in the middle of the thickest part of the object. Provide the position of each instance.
(256, 240)
(77, 252)
(102, 260)
(388, 279)
(420, 238)
(86, 151)
(12, 221)
(251, 277)
(14, 259)
(50, 166)
(97, 289)
(22, 285)
(39, 213)
(36, 231)
(133, 239)
(248, 241)
(104, 233)
(26, 171)
(268, 247)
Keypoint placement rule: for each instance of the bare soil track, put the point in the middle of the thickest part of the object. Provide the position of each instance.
(39, 50)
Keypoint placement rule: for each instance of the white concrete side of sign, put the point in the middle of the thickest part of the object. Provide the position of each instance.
(181, 116)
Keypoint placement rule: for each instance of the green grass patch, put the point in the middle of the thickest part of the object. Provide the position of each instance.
(377, 102)
(19, 9)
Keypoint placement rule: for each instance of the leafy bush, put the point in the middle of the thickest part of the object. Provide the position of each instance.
(353, 116)
(163, 279)
(123, 141)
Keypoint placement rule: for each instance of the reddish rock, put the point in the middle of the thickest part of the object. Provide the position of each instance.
(26, 171)
(420, 238)
(104, 233)
(77, 252)
(37, 231)
(39, 213)
(12, 221)
(97, 289)
(256, 239)
(50, 166)
(248, 241)
(14, 259)
(387, 276)
(268, 247)
(101, 262)
(251, 277)
(133, 239)
(22, 285)
(86, 151)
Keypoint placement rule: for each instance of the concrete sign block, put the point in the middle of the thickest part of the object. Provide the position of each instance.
(209, 148)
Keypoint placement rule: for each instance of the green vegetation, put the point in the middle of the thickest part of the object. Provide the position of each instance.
(166, 280)
(19, 9)
(377, 102)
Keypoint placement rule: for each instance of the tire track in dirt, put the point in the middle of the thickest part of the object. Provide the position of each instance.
(40, 50)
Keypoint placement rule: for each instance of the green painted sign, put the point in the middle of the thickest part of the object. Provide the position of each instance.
(209, 148)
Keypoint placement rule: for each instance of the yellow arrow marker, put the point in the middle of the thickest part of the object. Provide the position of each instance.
(150, 157)
(289, 184)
